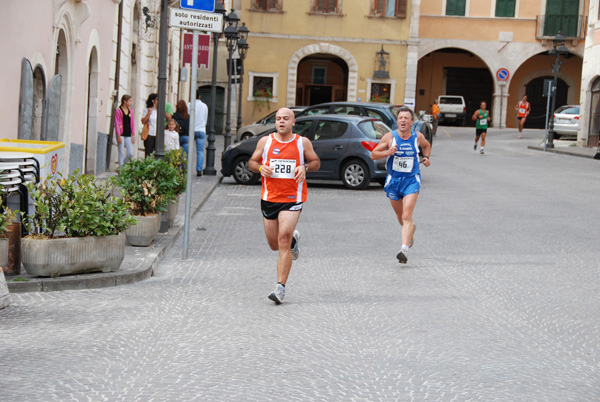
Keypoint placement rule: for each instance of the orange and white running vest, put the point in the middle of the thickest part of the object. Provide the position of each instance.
(523, 107)
(283, 158)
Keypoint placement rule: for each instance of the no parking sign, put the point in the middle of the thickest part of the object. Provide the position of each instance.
(502, 74)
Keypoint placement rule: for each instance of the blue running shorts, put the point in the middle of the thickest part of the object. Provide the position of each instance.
(399, 187)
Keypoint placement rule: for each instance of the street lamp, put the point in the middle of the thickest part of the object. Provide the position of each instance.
(242, 50)
(210, 170)
(232, 37)
(557, 56)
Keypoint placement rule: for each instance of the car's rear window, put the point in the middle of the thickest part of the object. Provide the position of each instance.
(451, 101)
(568, 110)
(374, 129)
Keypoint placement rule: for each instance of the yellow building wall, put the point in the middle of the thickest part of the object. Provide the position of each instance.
(276, 36)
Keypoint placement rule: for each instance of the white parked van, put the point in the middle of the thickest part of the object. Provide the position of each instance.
(453, 109)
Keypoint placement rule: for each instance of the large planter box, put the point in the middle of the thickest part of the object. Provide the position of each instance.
(143, 232)
(3, 252)
(56, 257)
(4, 297)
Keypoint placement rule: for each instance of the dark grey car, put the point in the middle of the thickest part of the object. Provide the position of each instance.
(383, 111)
(343, 143)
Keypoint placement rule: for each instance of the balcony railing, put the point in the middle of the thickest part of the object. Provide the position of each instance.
(572, 26)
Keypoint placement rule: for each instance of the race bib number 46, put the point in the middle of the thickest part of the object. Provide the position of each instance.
(283, 168)
(403, 164)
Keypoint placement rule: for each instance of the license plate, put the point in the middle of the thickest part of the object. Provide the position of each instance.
(450, 115)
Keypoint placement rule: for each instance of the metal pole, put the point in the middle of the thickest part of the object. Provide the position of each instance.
(547, 115)
(553, 91)
(241, 87)
(162, 81)
(228, 120)
(191, 145)
(501, 100)
(210, 170)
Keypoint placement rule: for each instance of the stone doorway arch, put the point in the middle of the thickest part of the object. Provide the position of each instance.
(321, 48)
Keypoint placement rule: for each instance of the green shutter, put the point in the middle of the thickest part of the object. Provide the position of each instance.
(561, 15)
(455, 7)
(505, 8)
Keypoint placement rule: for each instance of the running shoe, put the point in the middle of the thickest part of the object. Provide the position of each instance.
(520, 135)
(278, 294)
(481, 152)
(402, 257)
(475, 147)
(296, 248)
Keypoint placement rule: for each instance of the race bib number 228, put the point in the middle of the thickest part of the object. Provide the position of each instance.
(283, 168)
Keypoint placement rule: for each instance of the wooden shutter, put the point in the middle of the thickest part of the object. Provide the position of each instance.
(505, 8)
(455, 7)
(26, 101)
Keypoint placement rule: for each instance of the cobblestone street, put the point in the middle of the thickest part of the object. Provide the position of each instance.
(498, 301)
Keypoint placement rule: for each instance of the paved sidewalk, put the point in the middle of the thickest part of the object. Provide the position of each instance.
(139, 262)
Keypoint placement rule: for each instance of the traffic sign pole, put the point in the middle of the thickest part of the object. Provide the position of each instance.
(191, 144)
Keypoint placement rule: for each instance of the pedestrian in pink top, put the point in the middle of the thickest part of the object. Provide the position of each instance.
(125, 129)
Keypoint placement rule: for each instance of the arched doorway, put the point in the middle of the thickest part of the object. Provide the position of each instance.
(594, 127)
(539, 102)
(135, 53)
(321, 78)
(39, 100)
(219, 106)
(92, 114)
(61, 67)
(453, 71)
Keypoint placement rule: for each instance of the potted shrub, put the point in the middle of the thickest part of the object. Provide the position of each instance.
(77, 227)
(147, 186)
(7, 217)
(178, 160)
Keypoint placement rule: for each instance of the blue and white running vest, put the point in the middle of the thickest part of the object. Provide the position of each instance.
(405, 162)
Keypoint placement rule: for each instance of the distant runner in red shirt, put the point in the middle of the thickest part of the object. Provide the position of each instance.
(523, 108)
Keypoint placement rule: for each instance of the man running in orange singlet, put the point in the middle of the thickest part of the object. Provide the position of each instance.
(283, 159)
(523, 108)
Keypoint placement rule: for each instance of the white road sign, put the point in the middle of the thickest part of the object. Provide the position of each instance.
(196, 20)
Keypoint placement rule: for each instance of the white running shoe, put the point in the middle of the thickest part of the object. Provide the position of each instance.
(296, 248)
(278, 294)
(481, 152)
(402, 257)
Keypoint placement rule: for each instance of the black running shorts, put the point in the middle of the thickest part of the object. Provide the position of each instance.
(271, 210)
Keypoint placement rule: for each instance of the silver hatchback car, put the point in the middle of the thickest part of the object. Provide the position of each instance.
(266, 123)
(566, 121)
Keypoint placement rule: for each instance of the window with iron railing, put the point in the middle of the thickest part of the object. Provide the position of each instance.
(266, 5)
(327, 6)
(389, 8)
(571, 26)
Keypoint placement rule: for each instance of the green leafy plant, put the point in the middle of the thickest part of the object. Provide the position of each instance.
(177, 159)
(147, 185)
(380, 98)
(7, 217)
(76, 206)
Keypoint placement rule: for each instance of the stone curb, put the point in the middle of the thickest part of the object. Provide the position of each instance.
(575, 151)
(142, 260)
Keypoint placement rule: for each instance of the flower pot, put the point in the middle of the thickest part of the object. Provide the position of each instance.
(4, 299)
(168, 217)
(73, 255)
(143, 232)
(3, 252)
